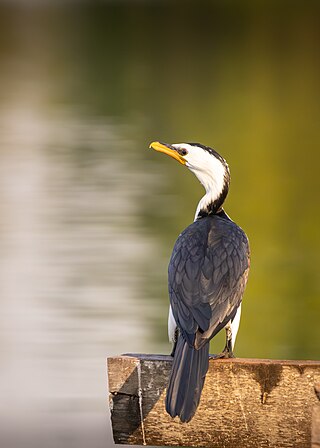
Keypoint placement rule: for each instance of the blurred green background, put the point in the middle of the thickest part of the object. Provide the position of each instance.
(89, 215)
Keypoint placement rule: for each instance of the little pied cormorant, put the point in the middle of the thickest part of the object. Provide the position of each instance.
(207, 276)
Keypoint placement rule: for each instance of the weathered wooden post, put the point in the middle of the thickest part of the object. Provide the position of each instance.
(245, 403)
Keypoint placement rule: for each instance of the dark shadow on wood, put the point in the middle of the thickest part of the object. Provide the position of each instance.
(131, 408)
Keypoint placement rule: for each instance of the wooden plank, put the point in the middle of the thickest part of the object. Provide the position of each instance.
(245, 403)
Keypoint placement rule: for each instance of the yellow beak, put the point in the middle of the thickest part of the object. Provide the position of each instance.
(167, 149)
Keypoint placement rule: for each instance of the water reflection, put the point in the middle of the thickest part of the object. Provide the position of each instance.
(71, 265)
(89, 216)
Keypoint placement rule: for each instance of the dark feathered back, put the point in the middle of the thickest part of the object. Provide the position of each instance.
(208, 272)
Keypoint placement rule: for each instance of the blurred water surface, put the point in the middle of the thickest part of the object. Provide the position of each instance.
(89, 215)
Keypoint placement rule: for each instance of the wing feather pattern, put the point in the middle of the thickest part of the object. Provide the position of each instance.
(207, 275)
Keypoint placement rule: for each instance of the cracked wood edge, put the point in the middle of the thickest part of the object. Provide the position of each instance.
(245, 403)
(316, 419)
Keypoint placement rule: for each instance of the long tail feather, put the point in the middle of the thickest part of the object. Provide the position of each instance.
(187, 377)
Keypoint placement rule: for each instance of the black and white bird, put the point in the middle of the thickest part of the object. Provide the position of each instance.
(207, 275)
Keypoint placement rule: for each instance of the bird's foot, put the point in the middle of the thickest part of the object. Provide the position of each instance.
(225, 354)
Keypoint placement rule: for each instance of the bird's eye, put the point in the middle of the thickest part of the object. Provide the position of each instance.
(183, 152)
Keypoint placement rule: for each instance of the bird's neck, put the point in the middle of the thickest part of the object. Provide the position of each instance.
(212, 201)
(214, 175)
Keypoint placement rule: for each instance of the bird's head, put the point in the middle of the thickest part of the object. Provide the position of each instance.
(210, 168)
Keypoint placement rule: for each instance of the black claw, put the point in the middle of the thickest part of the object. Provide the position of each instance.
(225, 354)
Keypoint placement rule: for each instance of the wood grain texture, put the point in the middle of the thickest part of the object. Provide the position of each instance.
(245, 403)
